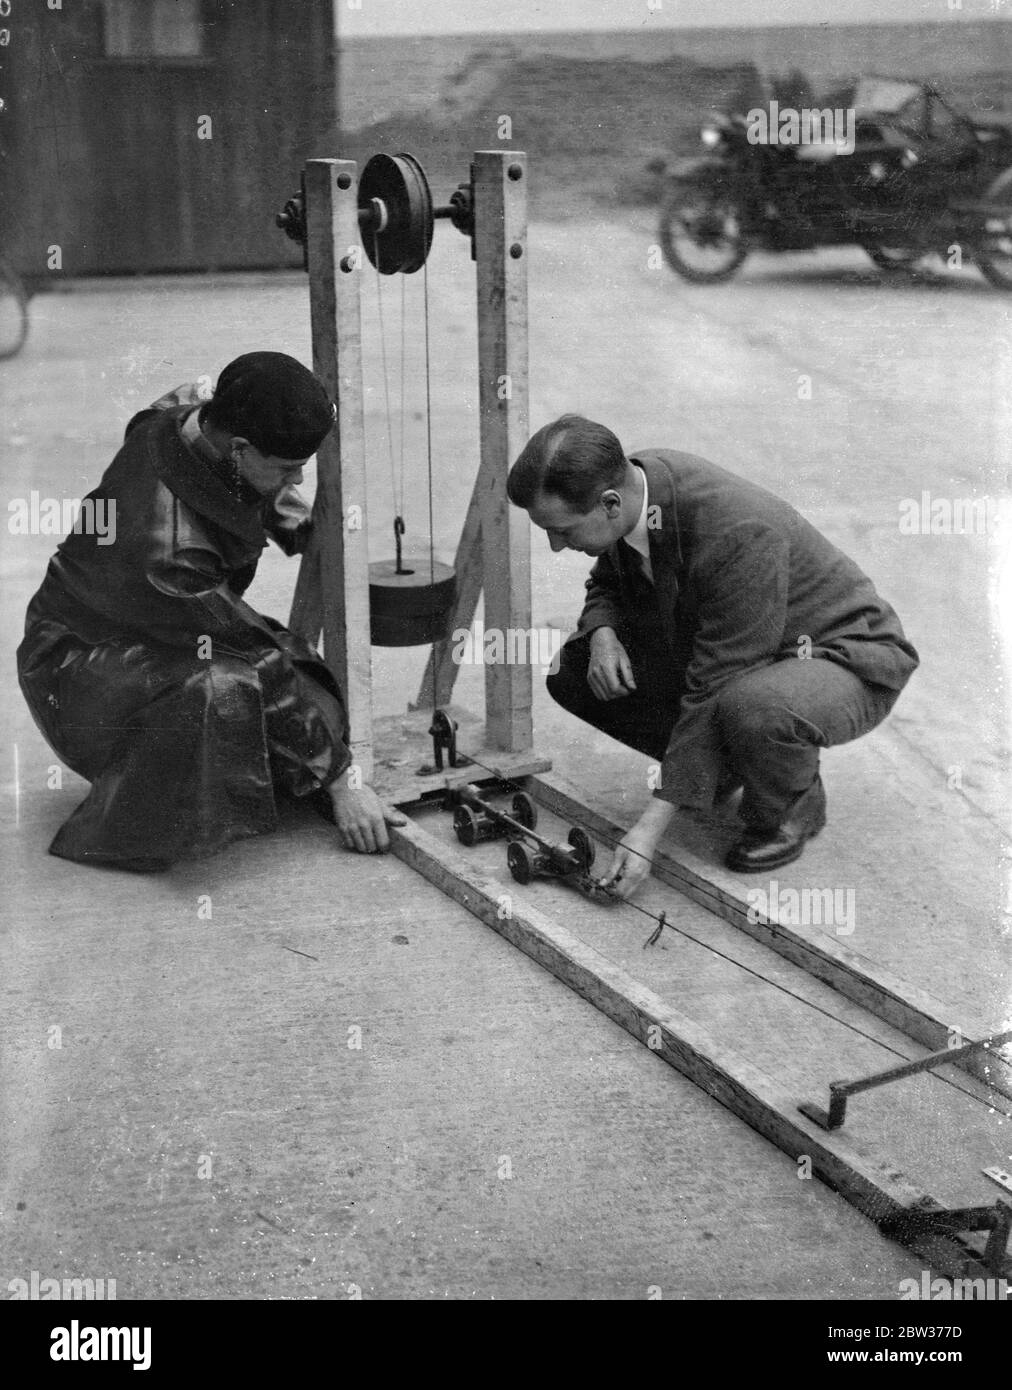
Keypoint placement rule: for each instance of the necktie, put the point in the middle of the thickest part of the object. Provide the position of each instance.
(634, 564)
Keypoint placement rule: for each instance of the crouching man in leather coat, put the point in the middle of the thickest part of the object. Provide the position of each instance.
(146, 671)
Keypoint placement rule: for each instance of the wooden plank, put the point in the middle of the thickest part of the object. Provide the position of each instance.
(402, 744)
(915, 1012)
(440, 669)
(408, 790)
(870, 1182)
(333, 587)
(500, 204)
(306, 617)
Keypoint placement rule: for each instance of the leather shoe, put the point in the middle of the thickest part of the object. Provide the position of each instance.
(770, 847)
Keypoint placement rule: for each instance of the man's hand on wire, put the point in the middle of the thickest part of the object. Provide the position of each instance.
(361, 818)
(630, 863)
(609, 671)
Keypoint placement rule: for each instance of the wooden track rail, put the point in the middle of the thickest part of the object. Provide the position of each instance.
(866, 1179)
(912, 1011)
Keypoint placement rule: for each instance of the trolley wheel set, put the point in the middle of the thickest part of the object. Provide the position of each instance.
(529, 855)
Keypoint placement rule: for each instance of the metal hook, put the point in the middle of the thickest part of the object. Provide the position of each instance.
(398, 532)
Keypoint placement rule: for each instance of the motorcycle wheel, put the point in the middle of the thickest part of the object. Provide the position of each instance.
(701, 233)
(992, 249)
(893, 259)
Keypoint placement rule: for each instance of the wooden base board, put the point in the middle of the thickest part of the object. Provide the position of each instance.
(402, 744)
(915, 1012)
(865, 1179)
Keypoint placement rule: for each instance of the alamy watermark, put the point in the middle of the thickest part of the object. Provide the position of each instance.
(931, 515)
(77, 1343)
(804, 907)
(516, 646)
(965, 1290)
(783, 125)
(58, 516)
(37, 1288)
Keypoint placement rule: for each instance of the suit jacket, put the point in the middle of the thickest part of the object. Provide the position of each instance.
(742, 580)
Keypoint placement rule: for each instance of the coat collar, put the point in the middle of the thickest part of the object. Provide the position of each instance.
(662, 529)
(201, 484)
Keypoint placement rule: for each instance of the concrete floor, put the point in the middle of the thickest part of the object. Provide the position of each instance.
(204, 1128)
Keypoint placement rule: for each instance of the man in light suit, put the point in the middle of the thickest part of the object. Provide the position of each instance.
(722, 635)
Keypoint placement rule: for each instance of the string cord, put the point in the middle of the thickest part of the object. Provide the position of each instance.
(666, 922)
(398, 497)
(403, 375)
(428, 424)
(428, 456)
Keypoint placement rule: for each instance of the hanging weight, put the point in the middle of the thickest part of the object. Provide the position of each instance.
(398, 242)
(413, 609)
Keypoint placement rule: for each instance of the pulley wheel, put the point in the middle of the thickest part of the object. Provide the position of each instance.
(410, 610)
(399, 182)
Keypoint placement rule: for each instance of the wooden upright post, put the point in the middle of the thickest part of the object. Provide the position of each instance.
(500, 204)
(333, 586)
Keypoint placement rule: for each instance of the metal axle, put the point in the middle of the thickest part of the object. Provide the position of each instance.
(467, 795)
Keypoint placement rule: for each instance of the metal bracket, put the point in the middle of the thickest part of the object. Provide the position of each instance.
(840, 1090)
(927, 1220)
(292, 221)
(999, 1175)
(460, 211)
(443, 730)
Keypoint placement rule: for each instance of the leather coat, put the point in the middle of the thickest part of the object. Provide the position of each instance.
(149, 674)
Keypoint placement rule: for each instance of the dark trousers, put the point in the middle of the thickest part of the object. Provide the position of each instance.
(772, 721)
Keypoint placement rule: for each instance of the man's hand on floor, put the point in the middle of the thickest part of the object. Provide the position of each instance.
(361, 818)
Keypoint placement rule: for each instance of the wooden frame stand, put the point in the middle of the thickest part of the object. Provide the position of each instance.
(493, 557)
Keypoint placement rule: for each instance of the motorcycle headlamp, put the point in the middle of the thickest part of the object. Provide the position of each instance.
(710, 135)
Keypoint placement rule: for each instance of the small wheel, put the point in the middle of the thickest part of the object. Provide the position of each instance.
(524, 810)
(583, 845)
(520, 860)
(465, 825)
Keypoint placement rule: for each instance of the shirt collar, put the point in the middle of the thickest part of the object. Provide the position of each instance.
(639, 537)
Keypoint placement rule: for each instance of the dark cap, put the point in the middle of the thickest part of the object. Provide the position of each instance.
(273, 401)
